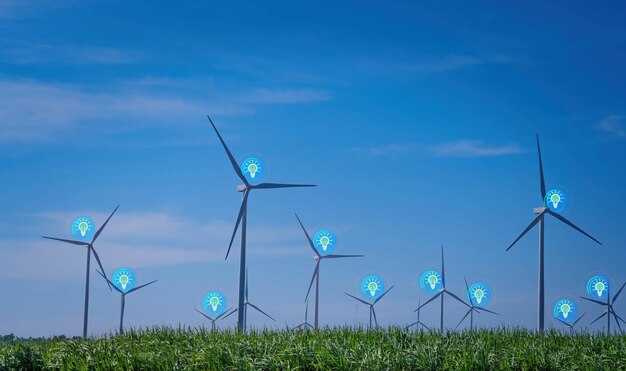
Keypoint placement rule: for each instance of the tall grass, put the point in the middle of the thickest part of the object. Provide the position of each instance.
(343, 349)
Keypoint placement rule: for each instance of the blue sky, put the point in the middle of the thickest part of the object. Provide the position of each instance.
(416, 121)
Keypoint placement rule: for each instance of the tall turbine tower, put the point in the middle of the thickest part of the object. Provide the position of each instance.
(90, 250)
(316, 273)
(245, 188)
(542, 212)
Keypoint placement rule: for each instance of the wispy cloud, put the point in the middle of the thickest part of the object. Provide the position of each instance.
(453, 62)
(390, 150)
(69, 54)
(474, 148)
(143, 239)
(613, 125)
(286, 96)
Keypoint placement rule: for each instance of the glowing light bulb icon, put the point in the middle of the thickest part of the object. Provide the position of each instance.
(372, 287)
(325, 241)
(599, 288)
(215, 301)
(83, 228)
(479, 294)
(124, 281)
(555, 199)
(598, 285)
(432, 280)
(565, 309)
(252, 168)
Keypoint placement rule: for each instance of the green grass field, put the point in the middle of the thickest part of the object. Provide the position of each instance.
(339, 349)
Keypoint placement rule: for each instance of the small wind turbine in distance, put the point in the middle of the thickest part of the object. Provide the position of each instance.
(418, 322)
(556, 201)
(566, 311)
(214, 303)
(83, 228)
(305, 325)
(604, 292)
(480, 293)
(123, 281)
(254, 170)
(435, 281)
(324, 240)
(375, 286)
(571, 325)
(245, 306)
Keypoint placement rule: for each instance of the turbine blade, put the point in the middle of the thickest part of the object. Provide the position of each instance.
(139, 287)
(95, 236)
(315, 273)
(258, 309)
(429, 300)
(231, 312)
(457, 298)
(384, 293)
(562, 218)
(335, 256)
(279, 185)
(443, 270)
(354, 297)
(563, 322)
(542, 179)
(246, 284)
(374, 313)
(488, 311)
(242, 210)
(209, 318)
(421, 323)
(618, 292)
(595, 320)
(464, 317)
(109, 282)
(308, 237)
(530, 226)
(579, 318)
(412, 324)
(618, 317)
(80, 243)
(617, 321)
(299, 326)
(595, 301)
(230, 155)
(95, 254)
(469, 297)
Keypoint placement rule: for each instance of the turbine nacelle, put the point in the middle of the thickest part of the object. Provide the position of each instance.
(539, 210)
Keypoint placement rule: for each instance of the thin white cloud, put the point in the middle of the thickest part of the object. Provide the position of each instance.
(613, 125)
(140, 240)
(286, 96)
(453, 62)
(69, 54)
(474, 148)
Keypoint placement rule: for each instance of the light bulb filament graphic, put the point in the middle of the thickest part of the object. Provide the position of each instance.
(124, 281)
(599, 288)
(252, 169)
(565, 309)
(324, 241)
(215, 301)
(373, 287)
(555, 199)
(432, 280)
(82, 227)
(479, 294)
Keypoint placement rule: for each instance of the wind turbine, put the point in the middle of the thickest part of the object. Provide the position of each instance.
(473, 308)
(609, 310)
(245, 307)
(371, 305)
(316, 272)
(571, 325)
(245, 188)
(123, 294)
(90, 250)
(442, 293)
(540, 219)
(224, 314)
(418, 322)
(306, 325)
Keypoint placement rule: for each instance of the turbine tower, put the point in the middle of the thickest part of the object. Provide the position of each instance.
(316, 272)
(609, 310)
(90, 250)
(245, 188)
(371, 305)
(418, 322)
(540, 219)
(247, 303)
(571, 326)
(442, 293)
(306, 325)
(122, 295)
(473, 308)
